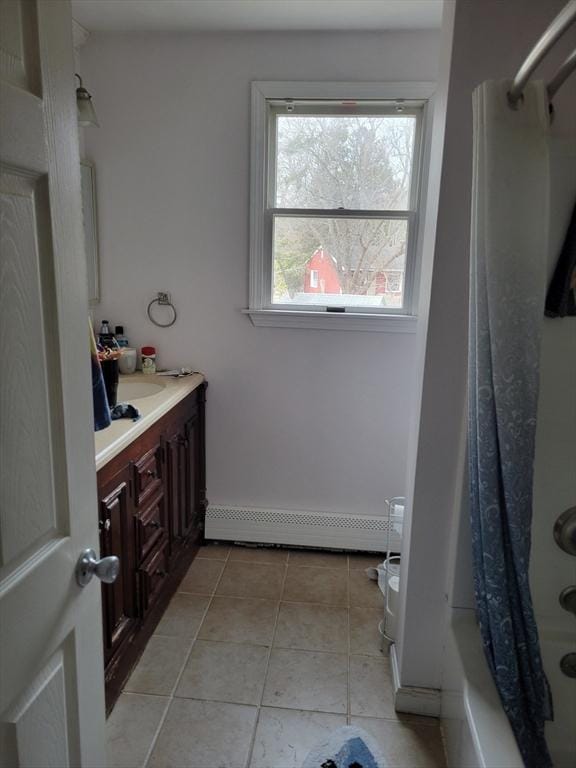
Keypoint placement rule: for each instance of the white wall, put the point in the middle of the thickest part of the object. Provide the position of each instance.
(491, 39)
(296, 418)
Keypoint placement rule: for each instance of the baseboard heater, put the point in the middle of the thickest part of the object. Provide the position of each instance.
(291, 527)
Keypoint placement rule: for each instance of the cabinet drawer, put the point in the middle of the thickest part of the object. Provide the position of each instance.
(153, 574)
(147, 474)
(150, 526)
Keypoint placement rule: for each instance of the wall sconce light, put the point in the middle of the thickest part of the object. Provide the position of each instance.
(86, 113)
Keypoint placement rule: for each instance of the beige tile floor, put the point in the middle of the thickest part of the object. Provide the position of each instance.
(260, 654)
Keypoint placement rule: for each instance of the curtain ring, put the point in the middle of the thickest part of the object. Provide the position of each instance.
(164, 304)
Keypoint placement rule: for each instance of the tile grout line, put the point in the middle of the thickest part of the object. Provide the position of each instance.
(268, 600)
(157, 732)
(296, 649)
(274, 628)
(277, 647)
(397, 721)
(146, 761)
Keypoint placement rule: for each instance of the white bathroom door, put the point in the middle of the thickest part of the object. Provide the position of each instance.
(51, 666)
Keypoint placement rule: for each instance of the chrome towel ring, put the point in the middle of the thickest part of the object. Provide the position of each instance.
(162, 300)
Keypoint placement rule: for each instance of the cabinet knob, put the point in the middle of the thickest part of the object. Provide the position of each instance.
(160, 572)
(106, 569)
(151, 473)
(153, 524)
(105, 524)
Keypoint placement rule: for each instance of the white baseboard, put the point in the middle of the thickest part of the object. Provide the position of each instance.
(411, 699)
(368, 533)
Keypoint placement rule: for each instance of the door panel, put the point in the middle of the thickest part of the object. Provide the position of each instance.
(36, 730)
(27, 432)
(51, 692)
(19, 59)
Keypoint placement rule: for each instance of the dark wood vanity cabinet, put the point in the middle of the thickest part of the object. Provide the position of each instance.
(152, 501)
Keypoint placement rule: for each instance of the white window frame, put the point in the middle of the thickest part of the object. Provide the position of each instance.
(260, 309)
(314, 275)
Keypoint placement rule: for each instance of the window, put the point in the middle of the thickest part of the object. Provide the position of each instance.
(335, 195)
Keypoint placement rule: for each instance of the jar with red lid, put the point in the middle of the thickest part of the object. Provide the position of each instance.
(148, 359)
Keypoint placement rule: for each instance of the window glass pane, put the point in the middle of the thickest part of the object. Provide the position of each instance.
(339, 262)
(356, 162)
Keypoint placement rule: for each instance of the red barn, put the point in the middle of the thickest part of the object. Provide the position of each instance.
(321, 274)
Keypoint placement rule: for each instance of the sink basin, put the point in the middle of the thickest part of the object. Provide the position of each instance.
(136, 390)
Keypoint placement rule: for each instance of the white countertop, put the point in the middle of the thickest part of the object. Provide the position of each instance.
(112, 440)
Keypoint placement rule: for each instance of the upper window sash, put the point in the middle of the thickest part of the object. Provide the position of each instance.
(325, 108)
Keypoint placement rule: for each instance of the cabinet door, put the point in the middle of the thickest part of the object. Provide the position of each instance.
(176, 476)
(192, 514)
(148, 475)
(119, 600)
(153, 574)
(150, 526)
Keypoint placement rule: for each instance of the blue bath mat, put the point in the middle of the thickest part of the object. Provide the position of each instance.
(347, 747)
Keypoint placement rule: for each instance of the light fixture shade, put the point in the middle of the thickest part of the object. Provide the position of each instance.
(86, 113)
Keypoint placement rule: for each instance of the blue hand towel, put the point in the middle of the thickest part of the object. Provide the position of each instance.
(102, 418)
(125, 411)
(347, 747)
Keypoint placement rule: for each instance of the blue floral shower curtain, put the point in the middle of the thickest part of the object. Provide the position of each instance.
(508, 280)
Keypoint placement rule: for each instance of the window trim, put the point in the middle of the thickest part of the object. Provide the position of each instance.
(260, 310)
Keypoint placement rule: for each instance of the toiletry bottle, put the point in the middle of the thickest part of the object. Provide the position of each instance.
(148, 359)
(106, 337)
(120, 338)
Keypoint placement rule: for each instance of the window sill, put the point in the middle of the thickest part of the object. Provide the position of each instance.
(332, 321)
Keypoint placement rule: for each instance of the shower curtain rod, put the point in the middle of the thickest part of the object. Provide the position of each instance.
(559, 25)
